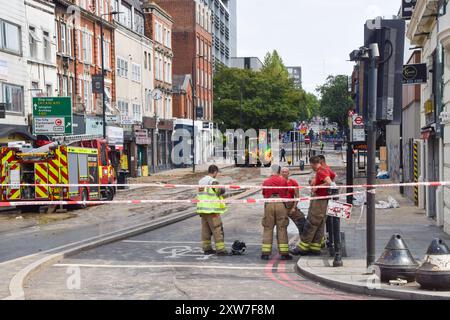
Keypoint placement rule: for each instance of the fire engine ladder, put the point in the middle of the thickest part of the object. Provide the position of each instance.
(76, 138)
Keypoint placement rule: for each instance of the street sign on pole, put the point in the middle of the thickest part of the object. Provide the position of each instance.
(358, 129)
(52, 115)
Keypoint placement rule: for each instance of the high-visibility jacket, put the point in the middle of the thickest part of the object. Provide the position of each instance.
(209, 194)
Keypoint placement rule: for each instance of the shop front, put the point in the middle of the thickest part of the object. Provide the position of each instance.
(160, 149)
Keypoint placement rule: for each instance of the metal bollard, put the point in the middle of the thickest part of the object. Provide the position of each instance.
(434, 273)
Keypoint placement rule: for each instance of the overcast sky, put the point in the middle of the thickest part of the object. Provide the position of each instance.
(318, 35)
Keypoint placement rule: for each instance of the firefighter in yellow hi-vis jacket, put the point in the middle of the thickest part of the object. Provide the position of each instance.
(210, 213)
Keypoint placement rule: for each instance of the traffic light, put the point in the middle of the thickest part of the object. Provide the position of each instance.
(390, 37)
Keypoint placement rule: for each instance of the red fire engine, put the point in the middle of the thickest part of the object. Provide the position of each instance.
(29, 175)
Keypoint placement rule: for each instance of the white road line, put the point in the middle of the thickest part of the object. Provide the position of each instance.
(126, 266)
(182, 242)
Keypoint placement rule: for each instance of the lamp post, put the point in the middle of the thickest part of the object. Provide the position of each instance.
(194, 96)
(103, 69)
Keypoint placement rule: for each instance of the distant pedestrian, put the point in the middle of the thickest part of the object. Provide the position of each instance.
(283, 154)
(210, 213)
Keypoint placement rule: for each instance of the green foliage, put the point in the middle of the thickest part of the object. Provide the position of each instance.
(335, 99)
(268, 98)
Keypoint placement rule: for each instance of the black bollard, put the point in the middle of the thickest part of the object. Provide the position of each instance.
(397, 262)
(434, 273)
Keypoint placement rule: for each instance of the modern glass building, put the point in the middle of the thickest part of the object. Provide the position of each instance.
(224, 29)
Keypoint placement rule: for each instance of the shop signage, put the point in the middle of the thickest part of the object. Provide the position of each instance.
(415, 73)
(408, 8)
(97, 83)
(115, 136)
(429, 107)
(141, 137)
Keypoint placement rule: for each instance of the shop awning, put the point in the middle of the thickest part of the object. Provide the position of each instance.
(7, 131)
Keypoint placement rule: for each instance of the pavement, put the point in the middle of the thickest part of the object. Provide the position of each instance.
(410, 222)
(168, 264)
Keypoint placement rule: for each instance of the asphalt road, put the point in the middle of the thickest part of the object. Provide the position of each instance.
(168, 263)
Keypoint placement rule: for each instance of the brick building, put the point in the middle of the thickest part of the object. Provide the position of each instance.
(192, 43)
(192, 47)
(158, 27)
(77, 24)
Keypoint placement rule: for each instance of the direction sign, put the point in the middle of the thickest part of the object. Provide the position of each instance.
(52, 115)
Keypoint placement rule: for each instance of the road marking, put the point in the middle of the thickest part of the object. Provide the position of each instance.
(181, 242)
(184, 251)
(167, 266)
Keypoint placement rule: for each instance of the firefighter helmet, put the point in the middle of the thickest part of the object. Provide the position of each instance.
(238, 248)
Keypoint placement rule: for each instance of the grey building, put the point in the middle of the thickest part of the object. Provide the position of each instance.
(295, 73)
(224, 29)
(252, 63)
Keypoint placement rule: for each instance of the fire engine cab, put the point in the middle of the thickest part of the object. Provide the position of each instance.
(28, 175)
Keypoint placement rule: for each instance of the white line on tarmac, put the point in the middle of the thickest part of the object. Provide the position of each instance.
(181, 242)
(126, 266)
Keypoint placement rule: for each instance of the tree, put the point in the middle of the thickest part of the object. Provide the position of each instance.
(267, 99)
(335, 99)
(313, 104)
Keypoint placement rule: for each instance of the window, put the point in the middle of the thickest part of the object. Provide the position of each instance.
(125, 17)
(49, 90)
(145, 60)
(69, 41)
(136, 72)
(137, 113)
(87, 47)
(13, 97)
(149, 61)
(122, 67)
(33, 41)
(138, 23)
(156, 67)
(106, 55)
(169, 39)
(47, 47)
(87, 95)
(65, 86)
(169, 72)
(198, 46)
(10, 37)
(123, 107)
(62, 33)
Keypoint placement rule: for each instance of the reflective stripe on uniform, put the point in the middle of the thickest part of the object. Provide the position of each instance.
(283, 248)
(317, 247)
(211, 206)
(220, 246)
(303, 246)
(266, 248)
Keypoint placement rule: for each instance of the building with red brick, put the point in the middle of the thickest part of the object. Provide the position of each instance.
(158, 27)
(192, 42)
(77, 24)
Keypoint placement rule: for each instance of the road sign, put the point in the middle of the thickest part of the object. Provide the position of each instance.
(358, 121)
(358, 129)
(52, 115)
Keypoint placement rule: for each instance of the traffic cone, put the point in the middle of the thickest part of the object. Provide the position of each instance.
(397, 262)
(434, 273)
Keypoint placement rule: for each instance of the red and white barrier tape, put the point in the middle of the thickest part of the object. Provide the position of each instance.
(234, 187)
(160, 201)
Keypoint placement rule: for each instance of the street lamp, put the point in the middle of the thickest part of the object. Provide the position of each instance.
(103, 69)
(194, 95)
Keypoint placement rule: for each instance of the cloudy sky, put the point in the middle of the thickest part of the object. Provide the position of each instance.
(315, 34)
